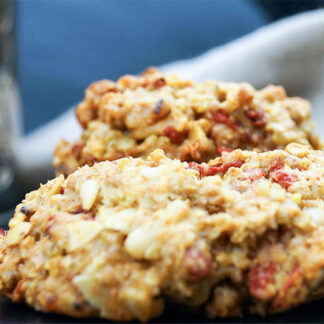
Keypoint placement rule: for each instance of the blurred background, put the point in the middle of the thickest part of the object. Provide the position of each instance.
(51, 50)
(64, 45)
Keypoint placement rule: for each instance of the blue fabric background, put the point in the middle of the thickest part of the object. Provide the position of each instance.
(64, 45)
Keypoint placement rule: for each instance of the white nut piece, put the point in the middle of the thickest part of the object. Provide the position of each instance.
(88, 193)
(80, 233)
(141, 303)
(175, 211)
(117, 220)
(86, 284)
(18, 232)
(140, 241)
(316, 214)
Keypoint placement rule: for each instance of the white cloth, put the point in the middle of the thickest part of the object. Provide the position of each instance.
(289, 52)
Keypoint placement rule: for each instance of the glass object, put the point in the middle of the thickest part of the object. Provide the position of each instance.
(9, 106)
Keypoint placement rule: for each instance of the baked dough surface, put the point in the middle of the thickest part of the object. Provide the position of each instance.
(243, 233)
(189, 121)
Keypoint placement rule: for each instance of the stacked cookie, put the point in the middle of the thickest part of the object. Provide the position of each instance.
(188, 121)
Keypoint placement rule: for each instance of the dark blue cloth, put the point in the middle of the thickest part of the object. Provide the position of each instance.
(65, 45)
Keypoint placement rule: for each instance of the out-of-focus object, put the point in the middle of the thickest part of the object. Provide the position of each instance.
(289, 52)
(190, 121)
(9, 106)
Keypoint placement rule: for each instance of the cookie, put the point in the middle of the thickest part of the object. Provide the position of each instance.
(118, 240)
(189, 121)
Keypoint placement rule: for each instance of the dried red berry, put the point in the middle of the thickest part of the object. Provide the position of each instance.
(206, 171)
(283, 178)
(245, 137)
(77, 150)
(221, 149)
(254, 174)
(220, 169)
(2, 232)
(256, 117)
(159, 83)
(276, 164)
(174, 135)
(196, 264)
(220, 116)
(195, 166)
(260, 276)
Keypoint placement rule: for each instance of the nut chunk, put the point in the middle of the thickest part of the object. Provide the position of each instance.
(193, 122)
(118, 240)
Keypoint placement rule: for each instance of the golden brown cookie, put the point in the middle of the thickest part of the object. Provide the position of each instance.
(243, 233)
(189, 121)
